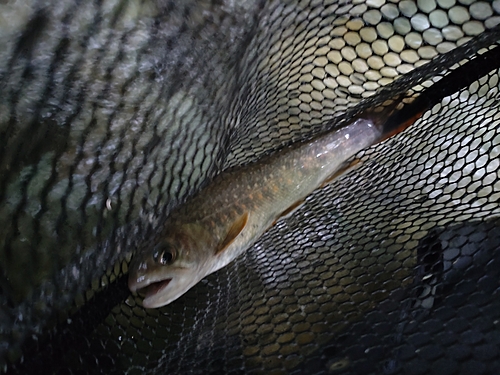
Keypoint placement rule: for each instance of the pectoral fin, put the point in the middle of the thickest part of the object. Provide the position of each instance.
(235, 229)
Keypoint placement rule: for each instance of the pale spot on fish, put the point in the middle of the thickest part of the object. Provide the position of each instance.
(318, 155)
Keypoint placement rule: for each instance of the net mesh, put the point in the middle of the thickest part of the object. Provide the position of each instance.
(114, 112)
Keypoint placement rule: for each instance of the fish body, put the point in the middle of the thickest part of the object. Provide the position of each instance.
(223, 220)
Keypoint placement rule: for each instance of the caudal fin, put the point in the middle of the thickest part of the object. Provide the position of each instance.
(456, 80)
(403, 118)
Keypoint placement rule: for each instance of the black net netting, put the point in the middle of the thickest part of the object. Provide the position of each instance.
(113, 112)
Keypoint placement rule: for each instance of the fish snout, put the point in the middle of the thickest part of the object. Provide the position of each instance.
(138, 271)
(135, 282)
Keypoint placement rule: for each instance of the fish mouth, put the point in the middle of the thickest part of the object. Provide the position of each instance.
(153, 288)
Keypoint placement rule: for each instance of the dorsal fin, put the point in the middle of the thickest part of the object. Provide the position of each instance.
(235, 229)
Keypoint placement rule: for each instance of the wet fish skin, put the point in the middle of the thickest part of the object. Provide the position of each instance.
(223, 220)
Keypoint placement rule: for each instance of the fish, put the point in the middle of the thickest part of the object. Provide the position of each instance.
(224, 219)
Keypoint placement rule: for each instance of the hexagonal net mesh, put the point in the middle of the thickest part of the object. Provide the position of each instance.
(114, 112)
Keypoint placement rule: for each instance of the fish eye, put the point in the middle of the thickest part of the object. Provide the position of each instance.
(164, 254)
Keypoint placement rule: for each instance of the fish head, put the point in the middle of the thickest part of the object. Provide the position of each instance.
(165, 270)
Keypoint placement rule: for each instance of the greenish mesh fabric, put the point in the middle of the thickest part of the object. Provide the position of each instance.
(114, 112)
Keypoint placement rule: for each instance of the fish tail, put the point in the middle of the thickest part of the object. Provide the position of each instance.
(400, 119)
(454, 81)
